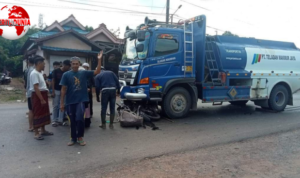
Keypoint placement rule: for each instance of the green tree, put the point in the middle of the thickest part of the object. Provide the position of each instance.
(116, 32)
(9, 50)
(14, 65)
(89, 29)
(228, 33)
(3, 57)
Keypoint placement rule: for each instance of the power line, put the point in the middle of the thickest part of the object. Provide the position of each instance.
(126, 4)
(196, 5)
(215, 28)
(207, 26)
(51, 6)
(106, 7)
(84, 9)
(69, 8)
(61, 7)
(163, 9)
(214, 12)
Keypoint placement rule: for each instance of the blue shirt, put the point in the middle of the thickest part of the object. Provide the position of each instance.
(106, 79)
(76, 83)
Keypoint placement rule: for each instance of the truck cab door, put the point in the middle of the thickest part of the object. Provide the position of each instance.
(165, 61)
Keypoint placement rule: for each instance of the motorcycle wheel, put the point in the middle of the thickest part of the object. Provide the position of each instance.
(153, 117)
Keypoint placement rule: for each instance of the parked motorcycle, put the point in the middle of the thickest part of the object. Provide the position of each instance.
(4, 80)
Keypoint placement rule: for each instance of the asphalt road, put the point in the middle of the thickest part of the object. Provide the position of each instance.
(22, 156)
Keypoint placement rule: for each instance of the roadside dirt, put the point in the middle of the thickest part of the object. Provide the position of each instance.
(267, 157)
(13, 92)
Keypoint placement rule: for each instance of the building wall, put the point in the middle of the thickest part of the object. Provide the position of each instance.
(47, 71)
(101, 37)
(67, 41)
(71, 24)
(24, 65)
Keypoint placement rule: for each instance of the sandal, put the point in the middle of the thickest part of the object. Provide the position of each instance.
(46, 133)
(30, 130)
(39, 137)
(54, 124)
(59, 123)
(71, 143)
(81, 143)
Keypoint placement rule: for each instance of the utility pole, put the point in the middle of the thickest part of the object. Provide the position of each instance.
(41, 23)
(167, 11)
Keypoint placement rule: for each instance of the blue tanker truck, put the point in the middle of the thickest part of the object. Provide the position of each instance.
(173, 66)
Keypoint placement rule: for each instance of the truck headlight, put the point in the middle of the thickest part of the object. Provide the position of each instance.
(141, 90)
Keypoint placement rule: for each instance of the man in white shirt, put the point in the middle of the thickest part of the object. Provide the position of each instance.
(28, 93)
(39, 99)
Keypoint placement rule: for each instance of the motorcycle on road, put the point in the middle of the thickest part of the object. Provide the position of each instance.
(4, 80)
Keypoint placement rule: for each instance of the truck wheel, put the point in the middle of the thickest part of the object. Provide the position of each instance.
(238, 103)
(279, 98)
(177, 103)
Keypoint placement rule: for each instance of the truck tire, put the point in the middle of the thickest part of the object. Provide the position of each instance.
(238, 103)
(177, 103)
(278, 98)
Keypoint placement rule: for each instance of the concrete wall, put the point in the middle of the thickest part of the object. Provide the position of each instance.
(67, 41)
(24, 65)
(47, 71)
(101, 37)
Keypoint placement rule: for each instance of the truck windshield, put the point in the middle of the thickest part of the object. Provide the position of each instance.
(130, 55)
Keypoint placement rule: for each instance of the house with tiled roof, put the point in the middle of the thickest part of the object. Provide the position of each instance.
(68, 38)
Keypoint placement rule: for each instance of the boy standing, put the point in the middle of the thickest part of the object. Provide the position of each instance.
(56, 87)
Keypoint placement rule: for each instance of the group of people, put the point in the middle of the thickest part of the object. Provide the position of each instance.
(72, 96)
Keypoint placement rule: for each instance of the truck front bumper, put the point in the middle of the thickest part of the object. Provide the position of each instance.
(130, 92)
(135, 96)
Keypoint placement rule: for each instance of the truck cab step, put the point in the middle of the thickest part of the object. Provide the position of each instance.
(217, 103)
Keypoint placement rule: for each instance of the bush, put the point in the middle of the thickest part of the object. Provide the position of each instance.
(15, 66)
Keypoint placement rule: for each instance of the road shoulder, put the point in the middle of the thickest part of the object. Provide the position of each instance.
(271, 156)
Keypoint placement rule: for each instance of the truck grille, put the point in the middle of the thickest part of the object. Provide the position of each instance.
(128, 77)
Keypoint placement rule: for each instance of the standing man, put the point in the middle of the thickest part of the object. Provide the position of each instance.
(108, 83)
(56, 65)
(39, 99)
(74, 87)
(91, 84)
(28, 93)
(57, 74)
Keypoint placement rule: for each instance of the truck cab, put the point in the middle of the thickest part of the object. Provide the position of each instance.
(153, 62)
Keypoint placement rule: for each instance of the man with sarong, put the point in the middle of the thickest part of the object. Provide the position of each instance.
(39, 99)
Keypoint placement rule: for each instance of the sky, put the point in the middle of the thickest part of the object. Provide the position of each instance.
(262, 19)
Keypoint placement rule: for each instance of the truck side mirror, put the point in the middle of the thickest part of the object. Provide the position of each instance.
(141, 35)
(140, 48)
(131, 35)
